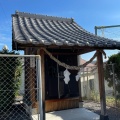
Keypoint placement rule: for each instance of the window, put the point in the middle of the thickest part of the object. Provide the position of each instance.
(91, 84)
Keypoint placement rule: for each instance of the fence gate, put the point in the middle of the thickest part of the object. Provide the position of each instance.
(20, 87)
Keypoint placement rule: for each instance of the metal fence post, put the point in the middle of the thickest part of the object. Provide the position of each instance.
(40, 89)
(114, 85)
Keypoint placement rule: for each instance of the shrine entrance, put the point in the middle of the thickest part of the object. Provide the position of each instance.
(55, 86)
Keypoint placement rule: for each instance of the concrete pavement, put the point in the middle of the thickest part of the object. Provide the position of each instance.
(71, 114)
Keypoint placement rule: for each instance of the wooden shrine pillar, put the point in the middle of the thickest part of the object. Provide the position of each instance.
(103, 115)
(29, 80)
(41, 53)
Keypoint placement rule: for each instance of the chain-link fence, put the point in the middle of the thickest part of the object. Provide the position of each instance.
(90, 90)
(19, 87)
(90, 84)
(113, 82)
(111, 32)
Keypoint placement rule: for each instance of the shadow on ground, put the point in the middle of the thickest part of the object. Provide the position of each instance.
(16, 112)
(112, 112)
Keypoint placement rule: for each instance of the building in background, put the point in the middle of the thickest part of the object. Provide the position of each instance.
(89, 80)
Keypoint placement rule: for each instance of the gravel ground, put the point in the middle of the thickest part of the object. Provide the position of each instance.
(113, 113)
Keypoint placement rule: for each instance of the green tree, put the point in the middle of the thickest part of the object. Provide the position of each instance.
(10, 72)
(113, 60)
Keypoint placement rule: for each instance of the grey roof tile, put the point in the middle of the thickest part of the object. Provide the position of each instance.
(48, 30)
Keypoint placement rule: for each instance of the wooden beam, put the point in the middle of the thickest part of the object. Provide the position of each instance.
(30, 78)
(103, 115)
(61, 104)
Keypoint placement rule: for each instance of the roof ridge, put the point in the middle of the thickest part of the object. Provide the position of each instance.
(46, 17)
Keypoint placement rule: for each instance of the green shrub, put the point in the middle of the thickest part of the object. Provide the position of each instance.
(94, 95)
(10, 73)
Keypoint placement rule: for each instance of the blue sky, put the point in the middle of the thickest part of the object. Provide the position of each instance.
(87, 13)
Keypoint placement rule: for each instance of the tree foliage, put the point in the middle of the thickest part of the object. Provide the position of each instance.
(10, 72)
(113, 63)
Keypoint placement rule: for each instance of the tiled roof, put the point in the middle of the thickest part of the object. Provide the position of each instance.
(46, 30)
(89, 66)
